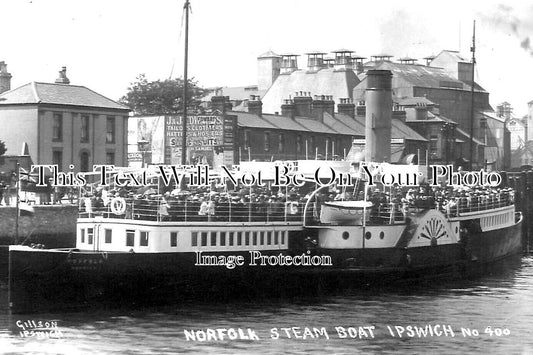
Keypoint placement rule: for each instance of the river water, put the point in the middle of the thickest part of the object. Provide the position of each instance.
(502, 301)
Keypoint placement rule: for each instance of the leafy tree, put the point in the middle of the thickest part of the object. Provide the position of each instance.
(3, 148)
(161, 97)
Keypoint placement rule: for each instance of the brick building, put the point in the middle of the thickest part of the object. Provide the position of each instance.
(63, 124)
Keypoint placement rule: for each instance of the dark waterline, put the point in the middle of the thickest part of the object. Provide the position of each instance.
(502, 300)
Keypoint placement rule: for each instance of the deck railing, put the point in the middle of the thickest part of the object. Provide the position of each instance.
(194, 211)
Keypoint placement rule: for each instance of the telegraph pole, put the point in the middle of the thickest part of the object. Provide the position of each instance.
(185, 64)
(473, 50)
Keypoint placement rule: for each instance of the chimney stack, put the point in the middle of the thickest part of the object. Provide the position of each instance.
(318, 107)
(62, 79)
(346, 107)
(315, 61)
(302, 103)
(421, 111)
(218, 103)
(288, 109)
(5, 78)
(378, 116)
(289, 63)
(329, 105)
(255, 105)
(343, 59)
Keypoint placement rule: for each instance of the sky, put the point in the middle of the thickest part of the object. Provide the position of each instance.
(105, 45)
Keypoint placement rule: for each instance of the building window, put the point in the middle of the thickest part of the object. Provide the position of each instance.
(173, 239)
(213, 238)
(57, 133)
(84, 161)
(90, 235)
(246, 138)
(312, 144)
(110, 130)
(231, 238)
(298, 143)
(433, 148)
(57, 158)
(194, 239)
(144, 239)
(108, 235)
(130, 238)
(110, 158)
(267, 141)
(222, 239)
(281, 142)
(204, 238)
(84, 135)
(328, 147)
(82, 235)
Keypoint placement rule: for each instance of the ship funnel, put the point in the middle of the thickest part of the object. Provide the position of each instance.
(378, 116)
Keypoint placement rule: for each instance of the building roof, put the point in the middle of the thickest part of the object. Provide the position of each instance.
(464, 134)
(234, 92)
(327, 81)
(284, 122)
(401, 130)
(344, 124)
(432, 118)
(413, 101)
(316, 126)
(420, 76)
(356, 125)
(269, 54)
(58, 94)
(246, 119)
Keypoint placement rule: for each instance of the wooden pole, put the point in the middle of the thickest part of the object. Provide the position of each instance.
(185, 79)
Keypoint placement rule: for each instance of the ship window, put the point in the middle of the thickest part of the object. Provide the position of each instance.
(108, 235)
(213, 238)
(381, 235)
(194, 239)
(269, 237)
(130, 238)
(247, 238)
(222, 238)
(144, 239)
(90, 235)
(82, 235)
(231, 238)
(204, 239)
(173, 239)
(282, 237)
(262, 238)
(276, 238)
(345, 235)
(255, 238)
(368, 235)
(239, 238)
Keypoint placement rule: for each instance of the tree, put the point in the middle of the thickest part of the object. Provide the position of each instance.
(161, 97)
(3, 148)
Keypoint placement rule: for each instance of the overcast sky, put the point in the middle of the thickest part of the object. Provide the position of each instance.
(106, 44)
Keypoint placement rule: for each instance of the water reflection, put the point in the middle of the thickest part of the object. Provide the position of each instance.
(500, 300)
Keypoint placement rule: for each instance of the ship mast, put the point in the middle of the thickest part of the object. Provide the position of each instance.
(473, 50)
(186, 8)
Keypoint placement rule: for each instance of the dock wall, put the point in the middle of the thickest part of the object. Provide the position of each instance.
(52, 225)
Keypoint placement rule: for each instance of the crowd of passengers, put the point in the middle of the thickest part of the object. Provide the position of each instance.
(279, 204)
(203, 203)
(450, 200)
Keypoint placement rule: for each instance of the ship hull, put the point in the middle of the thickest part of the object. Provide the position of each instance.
(472, 256)
(41, 280)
